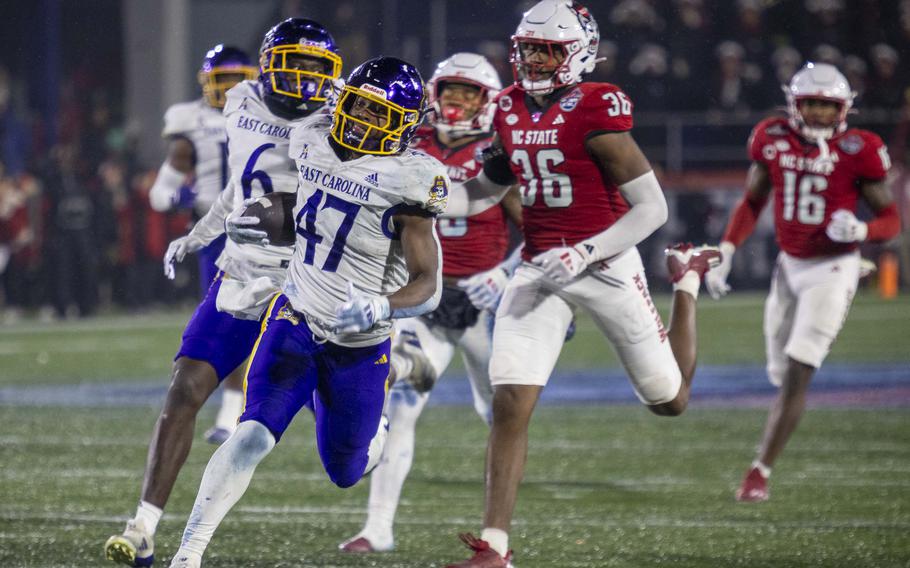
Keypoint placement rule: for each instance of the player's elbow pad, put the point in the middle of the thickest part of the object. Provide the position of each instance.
(166, 187)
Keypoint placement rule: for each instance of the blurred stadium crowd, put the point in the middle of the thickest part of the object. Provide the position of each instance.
(76, 229)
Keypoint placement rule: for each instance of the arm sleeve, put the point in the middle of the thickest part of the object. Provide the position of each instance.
(886, 224)
(211, 225)
(648, 213)
(167, 185)
(745, 217)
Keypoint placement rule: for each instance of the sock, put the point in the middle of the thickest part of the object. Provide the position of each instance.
(498, 540)
(388, 478)
(402, 365)
(764, 470)
(148, 515)
(226, 478)
(231, 408)
(689, 283)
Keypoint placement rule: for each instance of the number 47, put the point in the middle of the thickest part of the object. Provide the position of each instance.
(308, 230)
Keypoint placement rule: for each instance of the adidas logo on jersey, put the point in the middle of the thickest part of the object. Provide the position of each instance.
(559, 120)
(373, 179)
(382, 360)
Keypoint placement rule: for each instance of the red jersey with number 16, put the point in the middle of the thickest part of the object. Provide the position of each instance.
(565, 196)
(808, 190)
(469, 244)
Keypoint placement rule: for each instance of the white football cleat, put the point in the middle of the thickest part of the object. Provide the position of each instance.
(185, 559)
(135, 547)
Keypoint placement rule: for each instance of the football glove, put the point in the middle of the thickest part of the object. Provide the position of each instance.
(844, 227)
(485, 289)
(716, 278)
(562, 264)
(237, 226)
(177, 250)
(361, 311)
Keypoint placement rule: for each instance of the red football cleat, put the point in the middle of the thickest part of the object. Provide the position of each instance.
(484, 556)
(683, 257)
(754, 488)
(358, 545)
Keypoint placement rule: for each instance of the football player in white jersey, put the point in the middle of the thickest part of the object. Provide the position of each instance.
(460, 92)
(195, 172)
(366, 252)
(297, 68)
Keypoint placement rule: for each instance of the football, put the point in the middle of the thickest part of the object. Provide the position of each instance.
(275, 212)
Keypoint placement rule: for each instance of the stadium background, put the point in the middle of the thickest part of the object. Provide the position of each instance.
(89, 323)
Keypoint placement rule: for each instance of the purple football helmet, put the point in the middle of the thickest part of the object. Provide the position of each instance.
(380, 107)
(299, 64)
(223, 67)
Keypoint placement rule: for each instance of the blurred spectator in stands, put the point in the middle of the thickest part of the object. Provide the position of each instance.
(736, 83)
(826, 53)
(635, 23)
(786, 60)
(749, 30)
(20, 231)
(648, 82)
(825, 22)
(885, 86)
(72, 247)
(856, 71)
(690, 24)
(14, 142)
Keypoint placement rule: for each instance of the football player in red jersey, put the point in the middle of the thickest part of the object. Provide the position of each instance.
(589, 197)
(816, 168)
(460, 92)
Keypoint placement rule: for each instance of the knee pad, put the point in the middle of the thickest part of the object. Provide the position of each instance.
(659, 388)
(249, 443)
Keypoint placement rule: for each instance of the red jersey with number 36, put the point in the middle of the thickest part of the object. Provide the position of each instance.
(808, 190)
(469, 244)
(565, 196)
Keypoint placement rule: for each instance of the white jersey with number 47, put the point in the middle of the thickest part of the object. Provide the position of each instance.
(344, 222)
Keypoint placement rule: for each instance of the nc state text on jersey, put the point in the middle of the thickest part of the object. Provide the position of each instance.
(548, 137)
(815, 166)
(336, 183)
(256, 125)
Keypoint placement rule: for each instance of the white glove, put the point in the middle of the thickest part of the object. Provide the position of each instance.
(236, 226)
(485, 289)
(361, 311)
(844, 227)
(177, 250)
(716, 278)
(562, 264)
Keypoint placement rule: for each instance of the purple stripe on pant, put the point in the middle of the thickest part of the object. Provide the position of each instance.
(346, 385)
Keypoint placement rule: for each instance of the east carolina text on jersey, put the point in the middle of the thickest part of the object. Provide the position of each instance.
(327, 180)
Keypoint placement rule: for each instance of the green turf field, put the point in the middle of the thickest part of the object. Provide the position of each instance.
(608, 486)
(126, 347)
(605, 485)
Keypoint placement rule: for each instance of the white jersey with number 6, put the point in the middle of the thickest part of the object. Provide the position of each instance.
(258, 157)
(345, 229)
